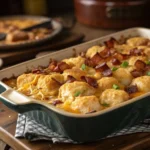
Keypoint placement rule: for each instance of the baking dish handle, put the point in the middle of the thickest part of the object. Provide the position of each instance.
(16, 100)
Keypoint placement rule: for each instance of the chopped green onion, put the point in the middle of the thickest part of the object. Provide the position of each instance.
(83, 66)
(77, 94)
(105, 105)
(148, 73)
(125, 64)
(148, 62)
(115, 86)
(114, 68)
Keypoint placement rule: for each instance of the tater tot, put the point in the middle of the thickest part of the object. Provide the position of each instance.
(112, 97)
(123, 76)
(107, 83)
(86, 104)
(93, 50)
(75, 89)
(143, 83)
(137, 41)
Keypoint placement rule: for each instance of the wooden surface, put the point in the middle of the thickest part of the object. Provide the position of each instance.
(140, 141)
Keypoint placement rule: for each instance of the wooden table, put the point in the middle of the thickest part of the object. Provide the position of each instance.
(139, 141)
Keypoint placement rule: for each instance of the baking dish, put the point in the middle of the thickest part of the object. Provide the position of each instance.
(81, 128)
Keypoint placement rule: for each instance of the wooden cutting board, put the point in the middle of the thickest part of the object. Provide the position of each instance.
(65, 39)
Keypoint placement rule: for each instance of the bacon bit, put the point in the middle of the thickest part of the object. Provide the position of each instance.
(91, 81)
(56, 81)
(105, 53)
(112, 51)
(110, 43)
(57, 102)
(88, 62)
(70, 79)
(38, 71)
(52, 65)
(131, 89)
(57, 69)
(115, 61)
(120, 56)
(140, 65)
(106, 71)
(136, 52)
(136, 73)
(125, 56)
(61, 66)
(96, 59)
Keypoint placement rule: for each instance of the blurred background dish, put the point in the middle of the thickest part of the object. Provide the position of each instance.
(16, 37)
(113, 14)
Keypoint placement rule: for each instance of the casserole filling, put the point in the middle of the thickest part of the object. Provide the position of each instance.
(101, 77)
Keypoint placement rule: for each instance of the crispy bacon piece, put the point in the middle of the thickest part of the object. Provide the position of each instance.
(112, 51)
(70, 79)
(38, 71)
(110, 43)
(61, 66)
(91, 81)
(57, 69)
(104, 69)
(89, 62)
(119, 56)
(137, 73)
(140, 65)
(52, 65)
(107, 73)
(55, 102)
(105, 53)
(136, 52)
(131, 89)
(125, 56)
(115, 61)
(96, 59)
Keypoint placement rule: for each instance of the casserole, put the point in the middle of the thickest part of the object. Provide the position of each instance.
(74, 126)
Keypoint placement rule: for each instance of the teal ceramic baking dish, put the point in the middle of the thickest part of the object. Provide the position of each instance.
(78, 127)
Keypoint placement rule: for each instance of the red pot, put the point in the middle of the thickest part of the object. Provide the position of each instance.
(113, 14)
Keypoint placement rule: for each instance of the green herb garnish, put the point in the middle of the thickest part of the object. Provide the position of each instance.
(105, 105)
(148, 73)
(76, 94)
(147, 62)
(83, 67)
(115, 86)
(114, 68)
(125, 64)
